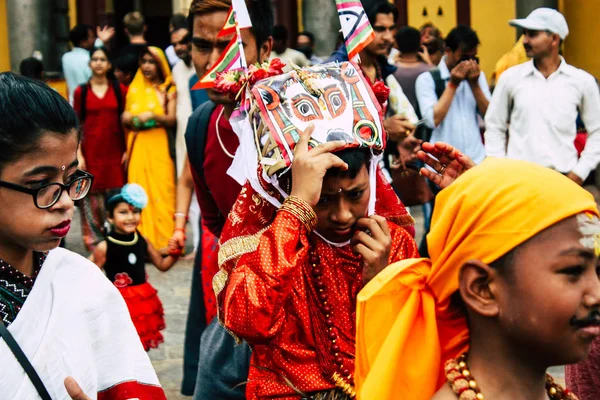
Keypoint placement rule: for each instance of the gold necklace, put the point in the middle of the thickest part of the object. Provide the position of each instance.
(463, 383)
(123, 243)
(219, 135)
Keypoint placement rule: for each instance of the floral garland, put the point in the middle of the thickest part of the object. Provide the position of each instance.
(233, 82)
(381, 92)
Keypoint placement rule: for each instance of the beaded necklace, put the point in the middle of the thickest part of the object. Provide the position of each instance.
(463, 383)
(331, 361)
(122, 242)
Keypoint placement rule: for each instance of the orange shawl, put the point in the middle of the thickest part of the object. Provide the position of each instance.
(405, 327)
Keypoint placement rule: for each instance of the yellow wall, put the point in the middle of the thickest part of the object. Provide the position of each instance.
(445, 22)
(490, 20)
(72, 13)
(4, 49)
(584, 30)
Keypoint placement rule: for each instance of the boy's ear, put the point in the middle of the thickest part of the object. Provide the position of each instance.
(477, 284)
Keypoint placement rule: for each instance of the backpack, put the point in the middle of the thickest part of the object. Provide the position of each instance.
(84, 91)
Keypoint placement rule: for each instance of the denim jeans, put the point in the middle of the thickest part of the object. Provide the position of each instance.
(223, 365)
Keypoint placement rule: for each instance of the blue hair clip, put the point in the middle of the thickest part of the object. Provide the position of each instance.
(135, 195)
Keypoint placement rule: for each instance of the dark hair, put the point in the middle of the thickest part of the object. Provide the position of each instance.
(356, 158)
(435, 32)
(381, 8)
(102, 49)
(462, 37)
(408, 40)
(261, 15)
(280, 32)
(28, 109)
(436, 45)
(109, 206)
(146, 51)
(309, 35)
(32, 68)
(179, 21)
(80, 33)
(128, 63)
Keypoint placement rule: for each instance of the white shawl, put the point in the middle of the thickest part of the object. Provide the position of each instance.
(76, 323)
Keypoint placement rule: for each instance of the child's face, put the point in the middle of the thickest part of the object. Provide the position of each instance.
(549, 291)
(343, 201)
(125, 218)
(99, 63)
(23, 226)
(149, 67)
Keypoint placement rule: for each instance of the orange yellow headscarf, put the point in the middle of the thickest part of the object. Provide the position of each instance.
(142, 95)
(405, 327)
(515, 56)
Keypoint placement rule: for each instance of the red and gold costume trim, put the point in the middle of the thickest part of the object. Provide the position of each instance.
(132, 390)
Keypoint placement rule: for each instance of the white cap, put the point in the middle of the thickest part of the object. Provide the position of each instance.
(543, 19)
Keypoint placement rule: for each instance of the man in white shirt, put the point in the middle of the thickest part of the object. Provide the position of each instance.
(182, 72)
(534, 107)
(75, 63)
(452, 111)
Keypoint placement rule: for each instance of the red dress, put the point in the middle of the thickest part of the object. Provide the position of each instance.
(103, 142)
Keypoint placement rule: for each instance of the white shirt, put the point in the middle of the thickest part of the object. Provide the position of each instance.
(542, 114)
(76, 67)
(460, 126)
(172, 57)
(181, 76)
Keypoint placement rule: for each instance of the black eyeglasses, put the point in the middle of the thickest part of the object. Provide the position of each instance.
(47, 195)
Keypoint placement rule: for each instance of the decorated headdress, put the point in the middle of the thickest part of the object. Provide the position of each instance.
(132, 194)
(334, 97)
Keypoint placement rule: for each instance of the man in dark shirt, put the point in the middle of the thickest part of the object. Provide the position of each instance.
(211, 145)
(135, 27)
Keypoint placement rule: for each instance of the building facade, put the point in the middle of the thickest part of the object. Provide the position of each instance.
(46, 29)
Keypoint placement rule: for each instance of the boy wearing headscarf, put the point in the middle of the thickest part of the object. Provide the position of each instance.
(295, 252)
(511, 289)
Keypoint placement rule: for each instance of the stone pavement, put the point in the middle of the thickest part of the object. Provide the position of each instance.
(174, 291)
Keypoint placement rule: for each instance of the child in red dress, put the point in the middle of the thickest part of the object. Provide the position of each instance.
(123, 256)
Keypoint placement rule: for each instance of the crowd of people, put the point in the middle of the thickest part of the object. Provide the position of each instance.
(308, 280)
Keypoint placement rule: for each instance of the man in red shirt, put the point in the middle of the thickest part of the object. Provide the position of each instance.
(211, 144)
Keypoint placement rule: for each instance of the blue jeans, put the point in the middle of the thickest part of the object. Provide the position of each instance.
(223, 367)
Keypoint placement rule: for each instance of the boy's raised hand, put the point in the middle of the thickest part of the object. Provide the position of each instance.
(446, 160)
(310, 166)
(373, 242)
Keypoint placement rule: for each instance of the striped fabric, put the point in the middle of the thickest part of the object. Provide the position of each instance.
(357, 30)
(230, 59)
(229, 26)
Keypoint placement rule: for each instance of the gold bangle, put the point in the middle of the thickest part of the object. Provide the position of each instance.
(301, 210)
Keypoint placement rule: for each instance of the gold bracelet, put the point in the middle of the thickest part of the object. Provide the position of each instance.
(301, 210)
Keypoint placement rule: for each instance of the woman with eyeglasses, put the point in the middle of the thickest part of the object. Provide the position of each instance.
(150, 116)
(99, 104)
(64, 328)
